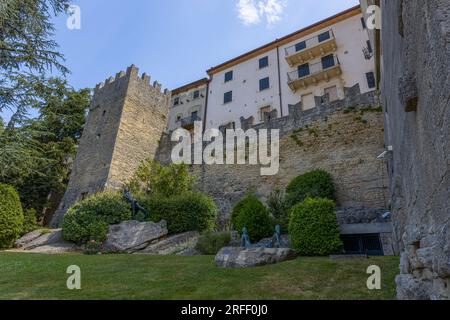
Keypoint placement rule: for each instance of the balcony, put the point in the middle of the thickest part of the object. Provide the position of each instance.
(311, 48)
(311, 74)
(189, 122)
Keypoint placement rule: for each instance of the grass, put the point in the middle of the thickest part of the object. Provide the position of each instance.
(40, 276)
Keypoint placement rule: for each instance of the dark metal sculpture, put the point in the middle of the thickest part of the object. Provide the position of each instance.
(135, 206)
(275, 242)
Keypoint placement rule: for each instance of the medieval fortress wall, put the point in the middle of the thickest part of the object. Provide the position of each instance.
(416, 101)
(343, 137)
(126, 119)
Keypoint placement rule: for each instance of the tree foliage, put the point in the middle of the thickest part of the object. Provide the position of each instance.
(27, 52)
(35, 156)
(151, 178)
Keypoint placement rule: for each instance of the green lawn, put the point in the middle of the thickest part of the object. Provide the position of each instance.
(39, 276)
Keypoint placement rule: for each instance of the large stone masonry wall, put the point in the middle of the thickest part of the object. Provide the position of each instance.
(415, 98)
(343, 137)
(126, 119)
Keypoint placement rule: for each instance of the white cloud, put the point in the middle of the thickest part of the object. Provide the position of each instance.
(254, 11)
(248, 12)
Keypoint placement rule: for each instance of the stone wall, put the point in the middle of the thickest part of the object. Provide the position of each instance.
(126, 119)
(343, 137)
(415, 98)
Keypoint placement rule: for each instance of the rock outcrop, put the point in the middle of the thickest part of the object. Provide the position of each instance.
(132, 236)
(174, 244)
(45, 241)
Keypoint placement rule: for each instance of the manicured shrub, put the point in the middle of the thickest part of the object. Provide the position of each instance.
(252, 214)
(314, 229)
(89, 219)
(11, 216)
(29, 221)
(210, 243)
(314, 184)
(190, 211)
(278, 209)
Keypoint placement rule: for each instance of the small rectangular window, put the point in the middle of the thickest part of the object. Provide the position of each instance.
(228, 97)
(371, 80)
(332, 93)
(328, 61)
(228, 76)
(263, 62)
(264, 84)
(324, 36)
(303, 70)
(196, 94)
(176, 101)
(265, 113)
(300, 46)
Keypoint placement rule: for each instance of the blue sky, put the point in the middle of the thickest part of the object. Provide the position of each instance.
(176, 41)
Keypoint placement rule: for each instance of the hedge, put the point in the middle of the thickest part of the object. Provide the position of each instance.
(314, 184)
(252, 214)
(314, 229)
(190, 211)
(29, 221)
(11, 216)
(89, 219)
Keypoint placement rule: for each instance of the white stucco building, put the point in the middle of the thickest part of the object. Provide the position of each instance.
(188, 105)
(323, 58)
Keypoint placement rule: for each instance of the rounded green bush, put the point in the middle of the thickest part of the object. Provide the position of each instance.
(314, 229)
(314, 184)
(252, 214)
(190, 211)
(89, 219)
(11, 216)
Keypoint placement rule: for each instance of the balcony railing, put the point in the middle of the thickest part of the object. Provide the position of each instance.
(308, 74)
(188, 123)
(308, 49)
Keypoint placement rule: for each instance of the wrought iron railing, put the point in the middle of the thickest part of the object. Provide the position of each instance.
(309, 43)
(188, 121)
(307, 70)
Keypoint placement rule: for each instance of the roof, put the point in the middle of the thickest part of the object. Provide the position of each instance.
(190, 86)
(287, 39)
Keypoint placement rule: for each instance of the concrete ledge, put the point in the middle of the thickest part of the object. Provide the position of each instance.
(365, 228)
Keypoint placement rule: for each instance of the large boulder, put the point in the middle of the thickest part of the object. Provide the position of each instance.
(174, 244)
(235, 257)
(27, 238)
(46, 238)
(57, 247)
(45, 241)
(132, 236)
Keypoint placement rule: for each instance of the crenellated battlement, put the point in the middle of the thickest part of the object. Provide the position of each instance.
(125, 77)
(127, 117)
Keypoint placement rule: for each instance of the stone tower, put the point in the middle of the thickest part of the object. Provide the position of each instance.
(126, 119)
